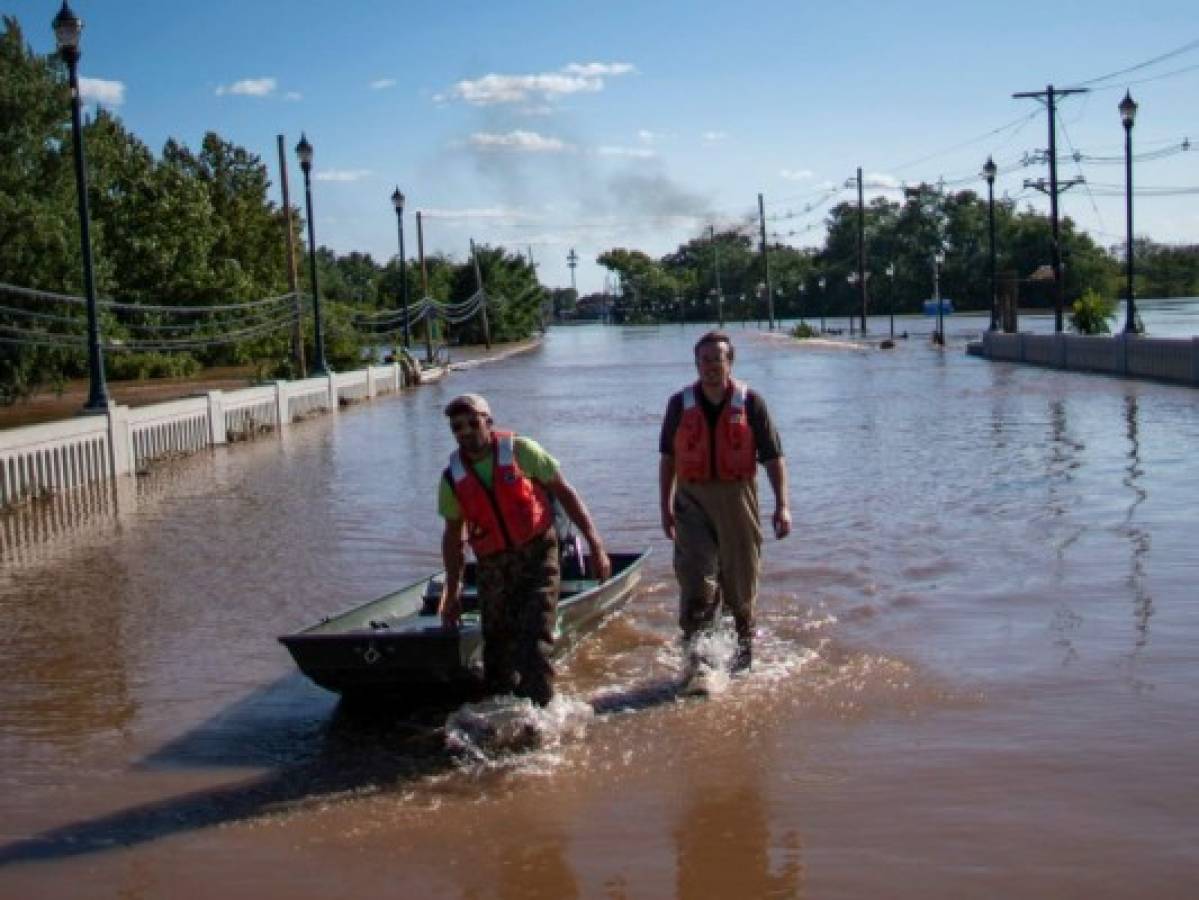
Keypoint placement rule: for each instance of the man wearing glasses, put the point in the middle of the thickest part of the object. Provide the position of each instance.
(497, 495)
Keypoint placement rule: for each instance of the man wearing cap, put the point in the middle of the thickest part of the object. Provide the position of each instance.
(497, 494)
(714, 434)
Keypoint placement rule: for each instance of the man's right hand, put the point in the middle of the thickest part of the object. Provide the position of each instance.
(450, 609)
(668, 524)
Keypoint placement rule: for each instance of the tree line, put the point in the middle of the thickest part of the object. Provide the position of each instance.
(901, 237)
(183, 229)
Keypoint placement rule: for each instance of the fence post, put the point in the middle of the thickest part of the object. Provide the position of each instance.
(120, 450)
(216, 418)
(333, 405)
(281, 420)
(370, 382)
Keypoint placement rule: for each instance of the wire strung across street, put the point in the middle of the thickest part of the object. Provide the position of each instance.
(202, 326)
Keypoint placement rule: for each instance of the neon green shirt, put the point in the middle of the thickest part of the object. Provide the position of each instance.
(530, 456)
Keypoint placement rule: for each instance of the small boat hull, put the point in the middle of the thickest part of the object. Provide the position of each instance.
(397, 643)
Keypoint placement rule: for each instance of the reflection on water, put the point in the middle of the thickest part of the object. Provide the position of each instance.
(725, 848)
(963, 528)
(1138, 537)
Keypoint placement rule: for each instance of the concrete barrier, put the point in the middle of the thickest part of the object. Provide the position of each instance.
(1175, 360)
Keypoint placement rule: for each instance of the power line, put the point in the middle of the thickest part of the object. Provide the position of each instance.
(1185, 48)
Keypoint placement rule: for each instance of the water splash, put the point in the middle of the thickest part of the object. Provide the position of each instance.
(499, 729)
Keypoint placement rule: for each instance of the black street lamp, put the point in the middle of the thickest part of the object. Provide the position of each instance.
(939, 337)
(67, 29)
(397, 200)
(823, 302)
(852, 278)
(304, 152)
(1128, 114)
(891, 295)
(989, 170)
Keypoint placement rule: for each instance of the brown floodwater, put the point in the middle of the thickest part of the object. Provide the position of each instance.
(977, 670)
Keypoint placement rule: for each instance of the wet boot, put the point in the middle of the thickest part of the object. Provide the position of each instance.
(743, 659)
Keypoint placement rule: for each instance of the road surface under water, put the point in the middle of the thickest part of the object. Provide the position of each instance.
(976, 670)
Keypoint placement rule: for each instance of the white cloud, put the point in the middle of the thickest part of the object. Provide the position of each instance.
(380, 83)
(249, 87)
(881, 180)
(342, 174)
(97, 90)
(572, 79)
(632, 152)
(713, 136)
(796, 174)
(594, 70)
(523, 141)
(489, 212)
(648, 137)
(293, 96)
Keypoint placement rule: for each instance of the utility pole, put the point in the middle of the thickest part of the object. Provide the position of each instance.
(483, 306)
(424, 286)
(1050, 95)
(766, 262)
(572, 260)
(533, 269)
(297, 328)
(716, 268)
(862, 250)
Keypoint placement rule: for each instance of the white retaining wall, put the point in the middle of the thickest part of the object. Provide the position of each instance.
(39, 460)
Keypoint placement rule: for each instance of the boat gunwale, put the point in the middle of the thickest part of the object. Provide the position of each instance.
(437, 630)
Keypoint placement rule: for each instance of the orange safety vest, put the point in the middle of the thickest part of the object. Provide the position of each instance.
(736, 456)
(513, 512)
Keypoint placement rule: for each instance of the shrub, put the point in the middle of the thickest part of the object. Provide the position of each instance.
(1090, 313)
(140, 366)
(803, 330)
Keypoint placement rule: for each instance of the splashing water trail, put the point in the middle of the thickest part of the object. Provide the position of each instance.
(494, 730)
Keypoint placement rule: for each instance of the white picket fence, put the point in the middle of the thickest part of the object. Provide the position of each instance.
(1134, 356)
(42, 460)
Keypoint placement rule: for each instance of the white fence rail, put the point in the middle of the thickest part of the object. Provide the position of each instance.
(41, 460)
(1161, 359)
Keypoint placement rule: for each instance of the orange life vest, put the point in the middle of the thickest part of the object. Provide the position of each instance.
(736, 456)
(513, 512)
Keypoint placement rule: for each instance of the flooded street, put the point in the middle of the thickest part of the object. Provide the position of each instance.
(978, 669)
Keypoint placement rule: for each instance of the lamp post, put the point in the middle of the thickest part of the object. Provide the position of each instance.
(304, 152)
(1128, 114)
(891, 295)
(938, 258)
(67, 29)
(852, 278)
(989, 170)
(823, 302)
(800, 292)
(397, 200)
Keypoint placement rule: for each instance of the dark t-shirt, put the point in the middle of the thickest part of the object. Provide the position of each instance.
(766, 438)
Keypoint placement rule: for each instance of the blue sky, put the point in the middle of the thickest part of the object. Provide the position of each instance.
(554, 125)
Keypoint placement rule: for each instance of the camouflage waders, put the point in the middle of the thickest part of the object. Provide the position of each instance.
(717, 549)
(518, 594)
